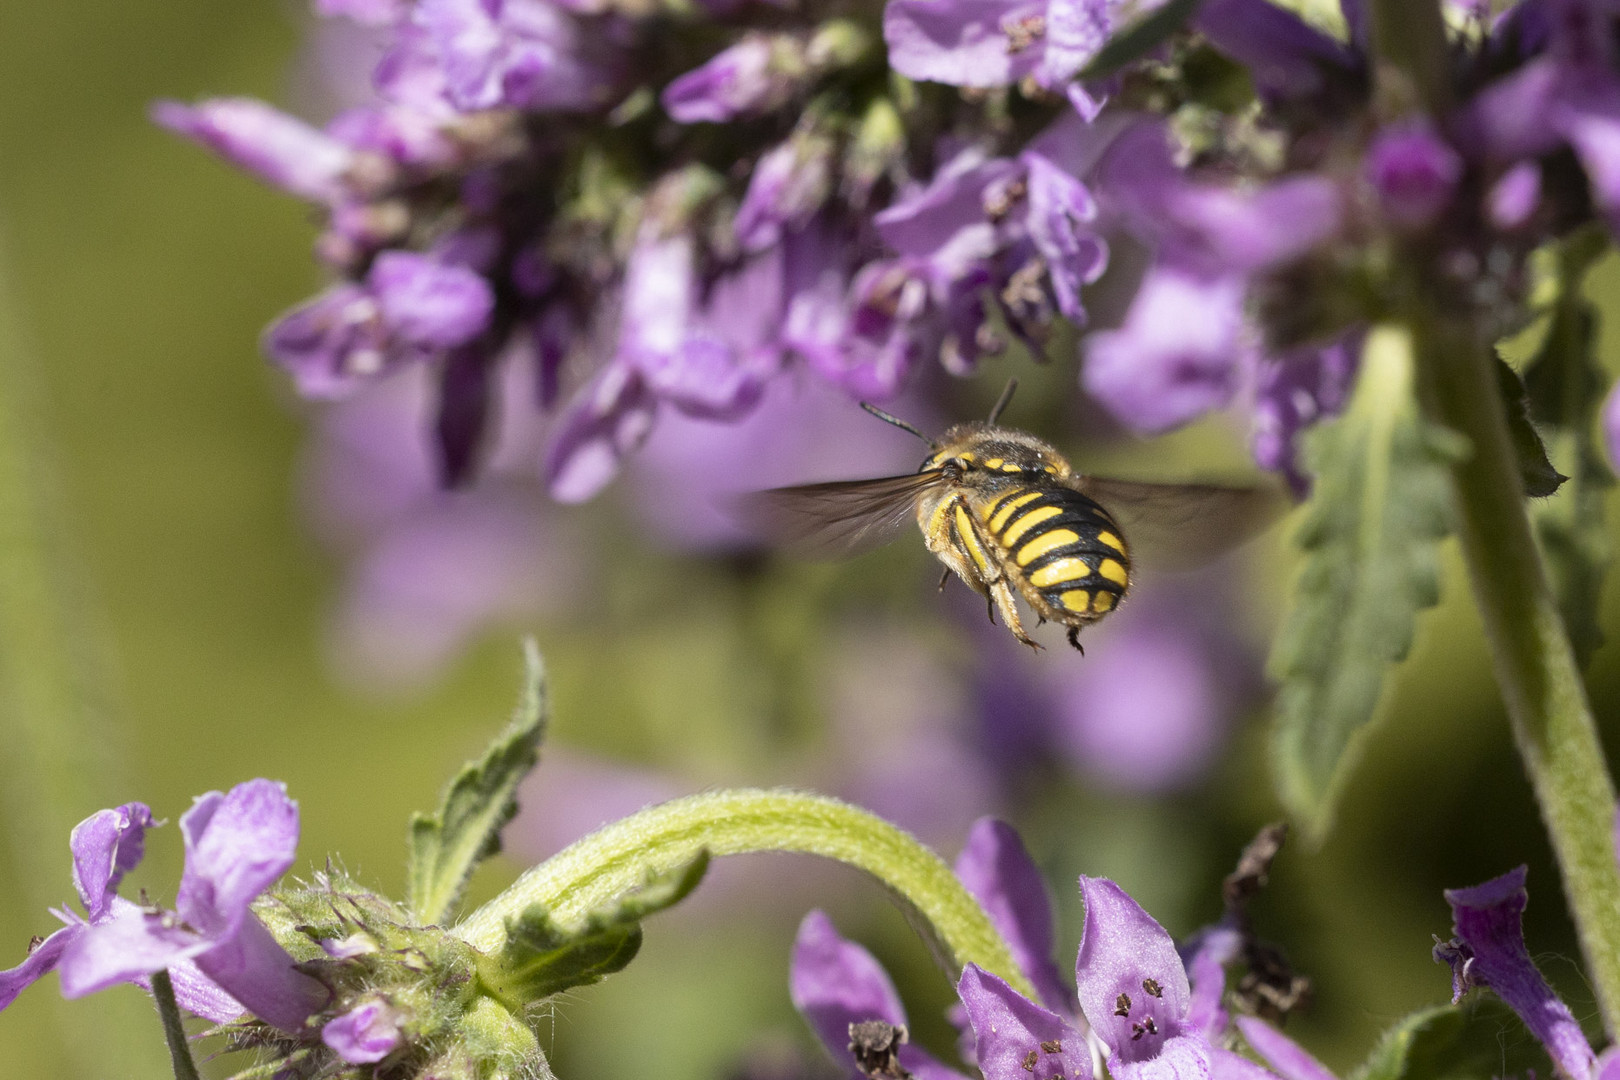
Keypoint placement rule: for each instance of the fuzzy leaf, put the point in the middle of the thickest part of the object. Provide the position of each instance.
(1539, 476)
(541, 958)
(446, 846)
(1444, 1042)
(1563, 390)
(1380, 505)
(1140, 38)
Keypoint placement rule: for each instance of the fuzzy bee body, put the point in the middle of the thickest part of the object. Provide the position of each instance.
(1007, 514)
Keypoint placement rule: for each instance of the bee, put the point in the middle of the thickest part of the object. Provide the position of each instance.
(1009, 515)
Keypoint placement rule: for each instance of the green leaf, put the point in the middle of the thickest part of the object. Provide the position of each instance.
(541, 957)
(1140, 38)
(1539, 476)
(1445, 1042)
(1380, 505)
(1563, 388)
(446, 846)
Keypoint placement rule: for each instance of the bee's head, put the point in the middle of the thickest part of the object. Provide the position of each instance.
(977, 445)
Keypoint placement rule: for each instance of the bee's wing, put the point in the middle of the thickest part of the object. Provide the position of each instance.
(1182, 526)
(835, 520)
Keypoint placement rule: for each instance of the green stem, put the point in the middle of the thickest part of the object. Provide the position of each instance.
(1541, 682)
(619, 857)
(174, 1031)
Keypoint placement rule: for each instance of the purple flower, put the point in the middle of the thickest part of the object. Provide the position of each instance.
(365, 1034)
(1611, 426)
(520, 54)
(1014, 1037)
(1294, 391)
(996, 868)
(428, 304)
(995, 42)
(237, 845)
(835, 983)
(1414, 172)
(1290, 1060)
(1488, 950)
(370, 12)
(1177, 356)
(1285, 57)
(279, 149)
(1514, 197)
(789, 184)
(737, 81)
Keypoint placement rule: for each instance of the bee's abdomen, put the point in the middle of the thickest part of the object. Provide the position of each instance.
(1064, 545)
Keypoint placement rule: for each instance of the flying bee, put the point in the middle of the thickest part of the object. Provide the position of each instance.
(1009, 515)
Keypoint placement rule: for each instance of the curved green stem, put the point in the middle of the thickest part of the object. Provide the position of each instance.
(1534, 663)
(621, 856)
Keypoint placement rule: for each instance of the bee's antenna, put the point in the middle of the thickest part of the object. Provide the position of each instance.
(895, 420)
(1003, 400)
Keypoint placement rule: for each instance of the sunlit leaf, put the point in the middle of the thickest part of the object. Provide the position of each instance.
(1448, 1042)
(446, 846)
(1380, 504)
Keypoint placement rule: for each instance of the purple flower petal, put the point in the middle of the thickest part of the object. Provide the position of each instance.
(1488, 926)
(1514, 197)
(998, 871)
(1059, 205)
(1592, 125)
(331, 344)
(1015, 1038)
(198, 994)
(1133, 989)
(369, 12)
(1074, 32)
(1611, 439)
(835, 983)
(258, 972)
(1290, 1060)
(522, 54)
(959, 42)
(237, 845)
(1225, 1065)
(1294, 391)
(1177, 355)
(130, 943)
(280, 149)
(1215, 947)
(736, 81)
(365, 1034)
(1284, 56)
(427, 303)
(42, 958)
(609, 420)
(1414, 173)
(1185, 1057)
(790, 182)
(107, 845)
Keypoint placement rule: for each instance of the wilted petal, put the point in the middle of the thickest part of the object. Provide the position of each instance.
(425, 302)
(1175, 358)
(365, 1034)
(997, 870)
(1290, 1060)
(42, 958)
(107, 845)
(1488, 925)
(1016, 1039)
(1133, 989)
(280, 149)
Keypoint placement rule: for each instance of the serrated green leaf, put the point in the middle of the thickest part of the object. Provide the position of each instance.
(541, 957)
(1563, 388)
(1380, 505)
(1140, 38)
(1445, 1042)
(1539, 476)
(447, 846)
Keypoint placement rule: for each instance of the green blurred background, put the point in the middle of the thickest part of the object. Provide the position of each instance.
(135, 275)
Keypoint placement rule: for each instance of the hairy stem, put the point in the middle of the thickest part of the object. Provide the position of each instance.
(173, 1031)
(621, 856)
(1530, 651)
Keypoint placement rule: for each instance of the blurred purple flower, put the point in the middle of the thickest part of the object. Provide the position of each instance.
(1488, 950)
(1513, 198)
(370, 12)
(985, 43)
(281, 150)
(1294, 391)
(737, 81)
(1414, 172)
(237, 845)
(522, 54)
(1285, 56)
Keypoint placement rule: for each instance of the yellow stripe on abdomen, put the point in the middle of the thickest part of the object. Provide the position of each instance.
(1108, 539)
(1030, 519)
(1104, 601)
(1079, 601)
(1070, 569)
(1045, 543)
(1113, 571)
(999, 519)
(970, 541)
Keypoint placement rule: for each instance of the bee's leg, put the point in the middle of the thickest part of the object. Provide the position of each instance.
(1074, 639)
(1009, 613)
(943, 578)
